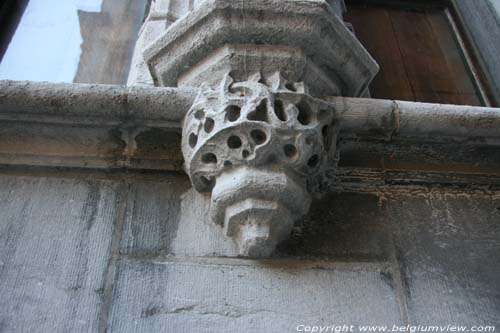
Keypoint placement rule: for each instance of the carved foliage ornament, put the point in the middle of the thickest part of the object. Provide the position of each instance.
(259, 147)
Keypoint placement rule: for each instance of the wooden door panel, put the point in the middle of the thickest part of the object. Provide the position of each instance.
(419, 57)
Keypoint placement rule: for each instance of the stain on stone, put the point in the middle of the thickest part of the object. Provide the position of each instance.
(99, 291)
(387, 278)
(403, 271)
(117, 149)
(73, 288)
(91, 205)
(151, 311)
(14, 229)
(183, 309)
(334, 230)
(56, 103)
(60, 250)
(152, 217)
(158, 142)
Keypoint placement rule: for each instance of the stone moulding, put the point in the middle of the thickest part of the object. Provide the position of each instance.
(115, 127)
(29, 109)
(240, 60)
(258, 147)
(96, 104)
(311, 29)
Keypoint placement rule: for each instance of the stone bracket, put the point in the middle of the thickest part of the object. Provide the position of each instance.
(259, 147)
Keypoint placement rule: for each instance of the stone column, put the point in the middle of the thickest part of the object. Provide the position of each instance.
(161, 15)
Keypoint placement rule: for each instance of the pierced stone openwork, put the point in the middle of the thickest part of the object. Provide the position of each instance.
(256, 146)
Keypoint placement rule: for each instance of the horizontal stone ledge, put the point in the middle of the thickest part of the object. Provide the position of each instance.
(139, 128)
(165, 107)
(93, 103)
(353, 179)
(390, 120)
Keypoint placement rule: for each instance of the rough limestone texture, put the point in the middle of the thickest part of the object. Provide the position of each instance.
(139, 128)
(481, 22)
(258, 141)
(410, 236)
(258, 146)
(304, 40)
(162, 14)
(233, 295)
(128, 253)
(55, 247)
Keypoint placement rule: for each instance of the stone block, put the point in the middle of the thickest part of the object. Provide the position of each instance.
(169, 217)
(231, 295)
(449, 257)
(55, 244)
(342, 227)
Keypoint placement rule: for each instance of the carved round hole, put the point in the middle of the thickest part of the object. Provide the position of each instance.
(208, 183)
(234, 142)
(233, 113)
(313, 161)
(279, 110)
(193, 140)
(324, 130)
(326, 137)
(245, 153)
(209, 158)
(199, 114)
(290, 151)
(209, 125)
(260, 113)
(290, 86)
(258, 136)
(228, 164)
(304, 116)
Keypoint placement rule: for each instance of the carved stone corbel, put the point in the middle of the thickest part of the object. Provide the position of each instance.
(258, 147)
(259, 143)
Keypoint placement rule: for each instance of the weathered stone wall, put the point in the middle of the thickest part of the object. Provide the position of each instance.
(83, 252)
(124, 251)
(481, 21)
